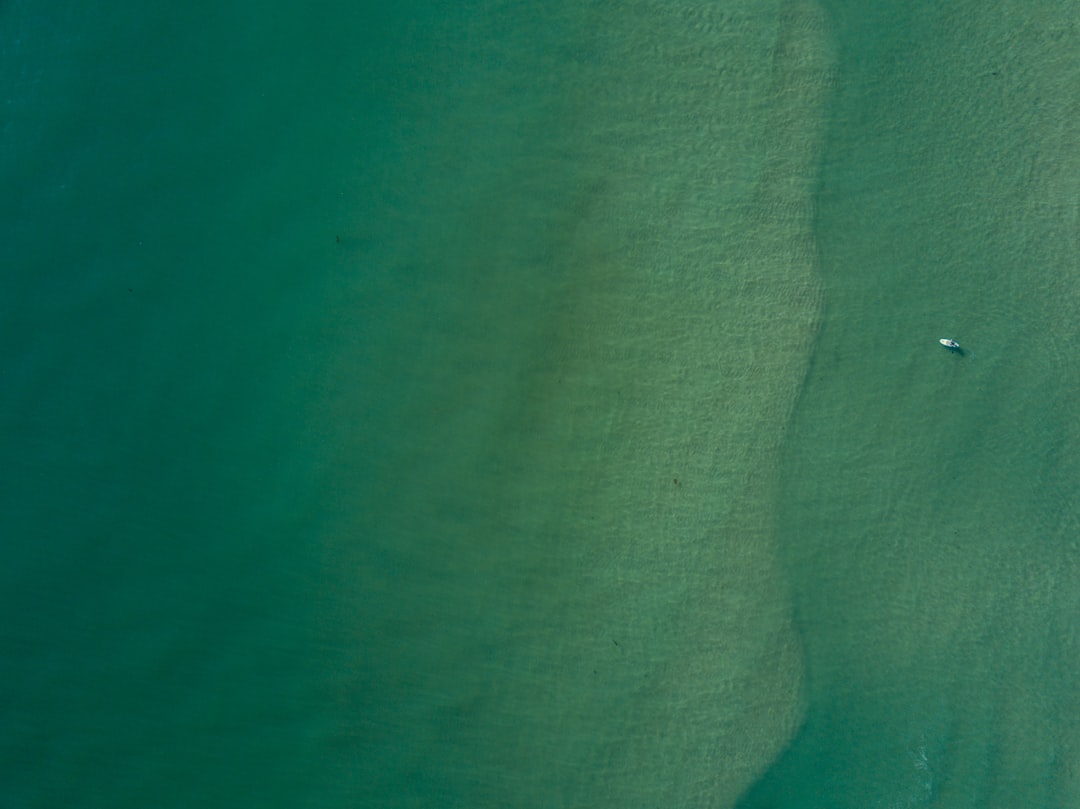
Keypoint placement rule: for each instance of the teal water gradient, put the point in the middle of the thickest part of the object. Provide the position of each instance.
(505, 405)
(364, 381)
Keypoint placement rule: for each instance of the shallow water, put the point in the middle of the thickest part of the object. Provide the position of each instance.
(929, 521)
(538, 408)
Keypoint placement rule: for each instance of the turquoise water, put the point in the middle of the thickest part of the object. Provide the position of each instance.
(929, 500)
(508, 406)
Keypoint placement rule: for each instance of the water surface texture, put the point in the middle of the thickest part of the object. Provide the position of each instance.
(538, 406)
(929, 514)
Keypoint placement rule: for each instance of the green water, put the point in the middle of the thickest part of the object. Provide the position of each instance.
(540, 407)
(929, 519)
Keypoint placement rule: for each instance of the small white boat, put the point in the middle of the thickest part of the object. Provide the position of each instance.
(945, 341)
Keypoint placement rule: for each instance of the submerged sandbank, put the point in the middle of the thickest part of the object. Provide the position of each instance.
(614, 294)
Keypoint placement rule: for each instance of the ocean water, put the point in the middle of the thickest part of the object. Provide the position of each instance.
(522, 406)
(928, 510)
